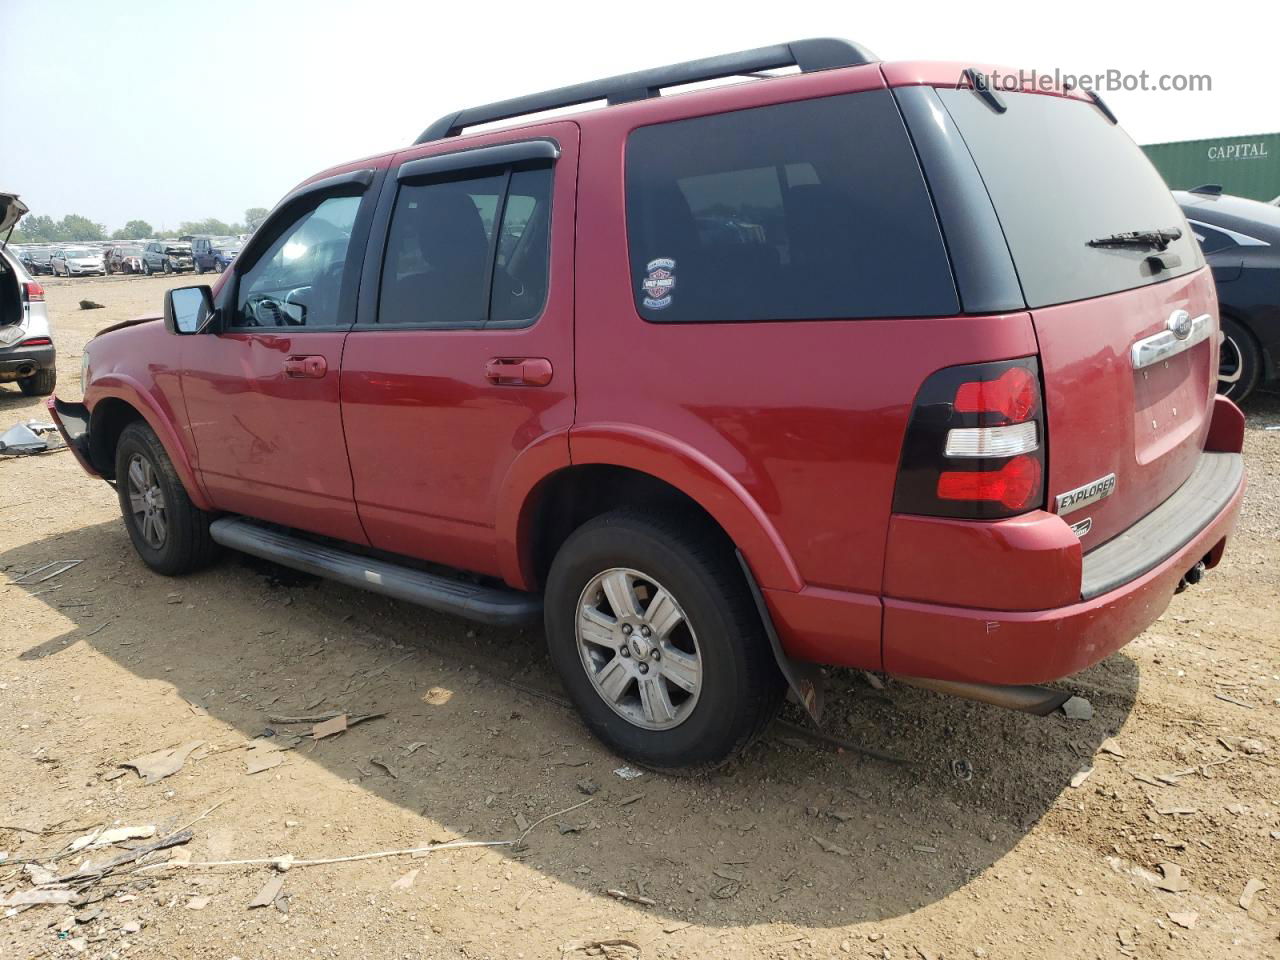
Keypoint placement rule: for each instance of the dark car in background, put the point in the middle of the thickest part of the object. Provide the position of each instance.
(124, 258)
(166, 256)
(214, 253)
(1241, 242)
(39, 260)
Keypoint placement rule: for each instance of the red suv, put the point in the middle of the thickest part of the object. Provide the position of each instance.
(869, 364)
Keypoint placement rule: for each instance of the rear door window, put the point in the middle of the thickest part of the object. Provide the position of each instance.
(811, 210)
(1061, 174)
(469, 251)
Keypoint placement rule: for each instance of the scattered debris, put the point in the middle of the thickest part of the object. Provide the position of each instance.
(627, 801)
(676, 926)
(1230, 699)
(1077, 781)
(20, 440)
(270, 890)
(1172, 880)
(412, 748)
(962, 770)
(24, 897)
(830, 847)
(405, 882)
(62, 567)
(1184, 920)
(1253, 747)
(197, 903)
(386, 767)
(588, 786)
(1078, 708)
(90, 305)
(607, 949)
(1251, 890)
(521, 823)
(330, 727)
(1110, 746)
(628, 773)
(1177, 811)
(632, 898)
(873, 681)
(116, 835)
(568, 828)
(153, 767)
(262, 755)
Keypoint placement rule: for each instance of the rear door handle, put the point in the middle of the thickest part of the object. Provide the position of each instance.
(309, 368)
(519, 371)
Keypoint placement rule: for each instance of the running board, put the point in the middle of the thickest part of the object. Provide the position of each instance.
(497, 606)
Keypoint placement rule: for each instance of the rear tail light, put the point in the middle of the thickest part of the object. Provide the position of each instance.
(974, 447)
(36, 342)
(32, 291)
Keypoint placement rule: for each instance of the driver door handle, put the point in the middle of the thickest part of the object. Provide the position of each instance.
(310, 368)
(519, 371)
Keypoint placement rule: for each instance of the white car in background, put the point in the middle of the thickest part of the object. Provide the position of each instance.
(26, 340)
(77, 262)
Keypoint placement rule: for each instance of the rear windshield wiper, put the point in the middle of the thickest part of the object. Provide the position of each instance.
(1158, 239)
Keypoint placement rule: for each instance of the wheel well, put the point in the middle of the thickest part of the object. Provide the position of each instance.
(109, 419)
(571, 497)
(1268, 371)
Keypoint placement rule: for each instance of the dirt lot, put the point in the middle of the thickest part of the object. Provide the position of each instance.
(981, 842)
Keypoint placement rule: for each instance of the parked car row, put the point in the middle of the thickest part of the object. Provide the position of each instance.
(146, 257)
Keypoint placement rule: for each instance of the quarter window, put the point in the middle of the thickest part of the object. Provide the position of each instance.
(469, 251)
(298, 281)
(799, 211)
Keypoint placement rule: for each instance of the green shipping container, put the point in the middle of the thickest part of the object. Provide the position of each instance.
(1244, 166)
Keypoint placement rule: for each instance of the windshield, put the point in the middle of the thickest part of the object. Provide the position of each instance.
(1060, 175)
(132, 250)
(78, 253)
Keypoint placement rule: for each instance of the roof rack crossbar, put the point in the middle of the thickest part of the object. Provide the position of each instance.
(821, 53)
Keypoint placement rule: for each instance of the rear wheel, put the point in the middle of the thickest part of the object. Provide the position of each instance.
(1239, 361)
(658, 642)
(170, 533)
(39, 384)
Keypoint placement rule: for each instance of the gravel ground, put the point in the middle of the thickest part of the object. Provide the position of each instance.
(984, 839)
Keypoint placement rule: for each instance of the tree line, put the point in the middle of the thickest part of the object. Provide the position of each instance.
(74, 228)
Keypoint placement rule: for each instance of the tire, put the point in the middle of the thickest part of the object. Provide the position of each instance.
(1239, 361)
(146, 268)
(168, 267)
(184, 544)
(39, 384)
(718, 640)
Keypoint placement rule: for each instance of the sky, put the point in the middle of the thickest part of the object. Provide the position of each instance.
(167, 110)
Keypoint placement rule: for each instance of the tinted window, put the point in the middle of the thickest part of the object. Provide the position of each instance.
(448, 265)
(297, 282)
(1060, 174)
(808, 210)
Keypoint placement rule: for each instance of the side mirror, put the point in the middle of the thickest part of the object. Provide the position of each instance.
(188, 309)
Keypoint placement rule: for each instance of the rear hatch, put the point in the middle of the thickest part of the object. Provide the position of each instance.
(11, 211)
(1127, 327)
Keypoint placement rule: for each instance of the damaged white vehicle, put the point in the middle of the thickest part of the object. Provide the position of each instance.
(27, 354)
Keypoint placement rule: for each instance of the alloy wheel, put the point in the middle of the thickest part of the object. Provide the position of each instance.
(1230, 366)
(146, 501)
(639, 649)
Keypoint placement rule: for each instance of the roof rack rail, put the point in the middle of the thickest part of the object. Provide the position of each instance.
(821, 53)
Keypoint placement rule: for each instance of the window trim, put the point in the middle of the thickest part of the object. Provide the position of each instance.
(305, 199)
(460, 163)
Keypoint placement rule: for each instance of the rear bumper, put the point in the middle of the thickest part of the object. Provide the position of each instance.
(1036, 646)
(19, 362)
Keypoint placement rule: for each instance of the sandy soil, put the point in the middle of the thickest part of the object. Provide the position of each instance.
(976, 844)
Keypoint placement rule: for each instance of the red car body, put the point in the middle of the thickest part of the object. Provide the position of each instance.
(789, 435)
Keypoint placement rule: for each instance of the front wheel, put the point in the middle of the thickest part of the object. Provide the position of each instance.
(170, 533)
(1239, 361)
(658, 642)
(146, 268)
(168, 267)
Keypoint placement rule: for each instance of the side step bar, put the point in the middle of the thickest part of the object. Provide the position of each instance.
(498, 606)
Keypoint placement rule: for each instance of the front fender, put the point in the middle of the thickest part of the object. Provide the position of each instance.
(699, 477)
(155, 410)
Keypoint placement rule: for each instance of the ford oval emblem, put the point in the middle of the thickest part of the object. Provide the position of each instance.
(1180, 324)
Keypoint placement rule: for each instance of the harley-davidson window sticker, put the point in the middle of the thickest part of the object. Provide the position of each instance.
(659, 281)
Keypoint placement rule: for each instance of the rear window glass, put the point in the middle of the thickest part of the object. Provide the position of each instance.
(808, 210)
(1060, 174)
